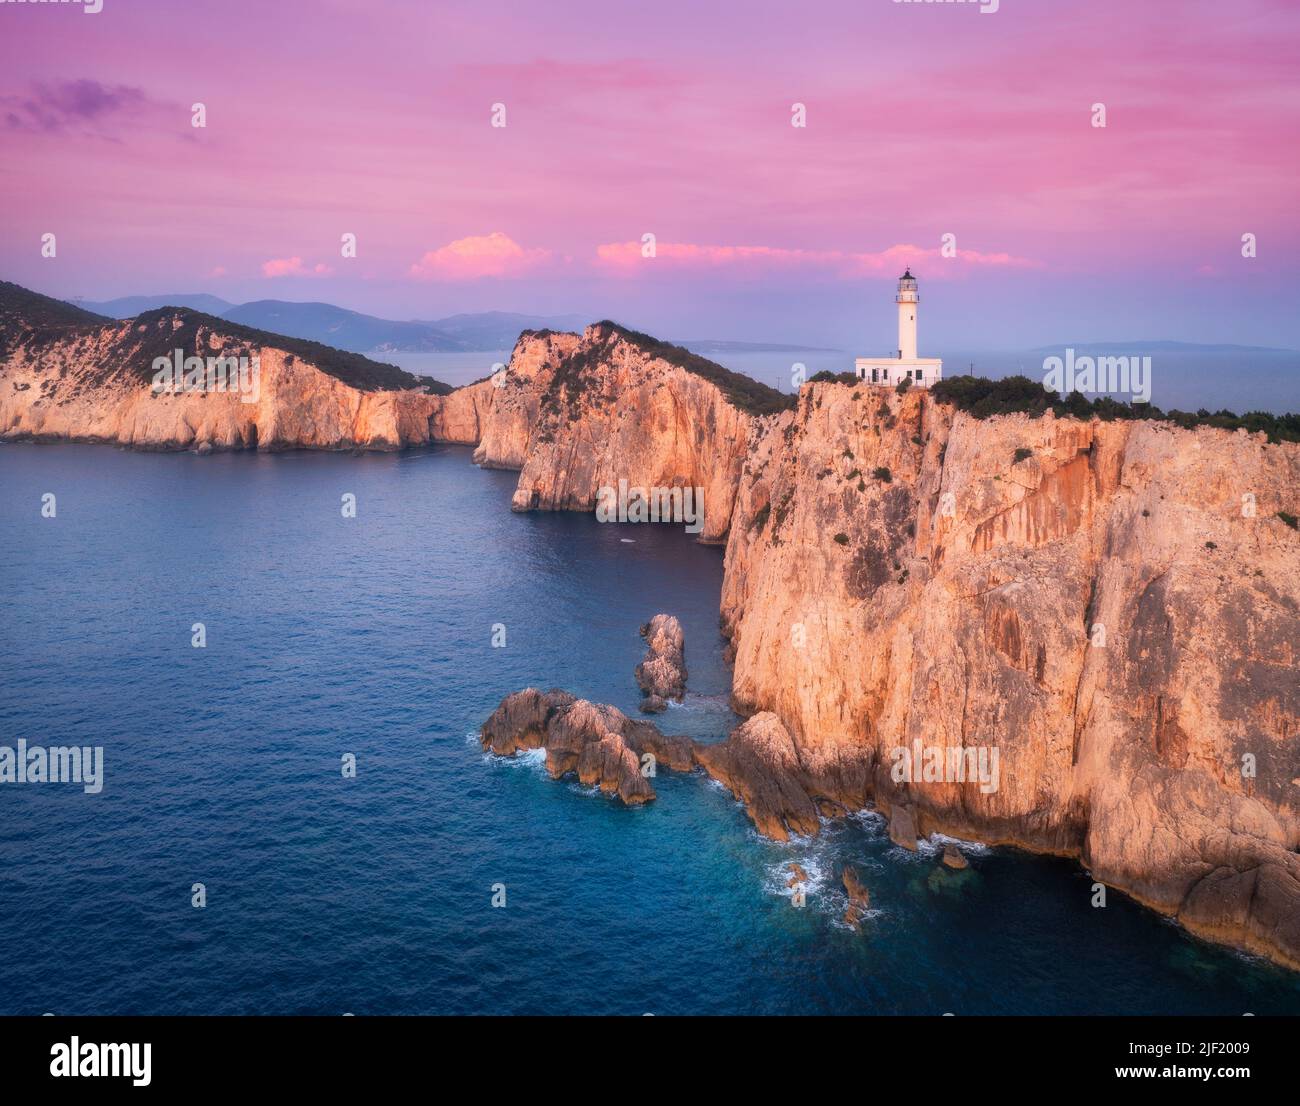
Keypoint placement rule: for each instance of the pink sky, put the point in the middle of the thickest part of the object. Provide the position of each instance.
(373, 118)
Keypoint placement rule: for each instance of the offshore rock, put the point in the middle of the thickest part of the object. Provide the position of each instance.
(662, 675)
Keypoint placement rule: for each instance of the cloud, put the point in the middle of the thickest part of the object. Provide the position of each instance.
(293, 266)
(63, 105)
(626, 256)
(494, 255)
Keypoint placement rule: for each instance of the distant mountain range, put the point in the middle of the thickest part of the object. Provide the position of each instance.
(359, 333)
(349, 330)
(128, 307)
(500, 329)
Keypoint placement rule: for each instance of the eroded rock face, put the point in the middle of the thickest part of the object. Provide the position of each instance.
(662, 675)
(1102, 613)
(611, 765)
(91, 383)
(517, 398)
(902, 826)
(588, 413)
(758, 763)
(597, 742)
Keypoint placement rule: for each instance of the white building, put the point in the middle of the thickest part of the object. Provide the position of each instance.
(903, 364)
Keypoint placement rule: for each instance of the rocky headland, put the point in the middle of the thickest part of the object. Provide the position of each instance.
(1082, 632)
(1110, 607)
(1052, 628)
(66, 374)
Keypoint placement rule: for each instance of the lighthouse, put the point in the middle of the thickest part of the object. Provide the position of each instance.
(903, 364)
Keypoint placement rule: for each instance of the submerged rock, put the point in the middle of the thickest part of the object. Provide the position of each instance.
(859, 898)
(953, 857)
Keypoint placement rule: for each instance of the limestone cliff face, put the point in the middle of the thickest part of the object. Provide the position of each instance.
(461, 416)
(517, 398)
(574, 413)
(1100, 610)
(581, 414)
(92, 382)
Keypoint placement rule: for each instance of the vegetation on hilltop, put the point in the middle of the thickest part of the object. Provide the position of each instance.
(29, 317)
(983, 398)
(25, 314)
(741, 391)
(353, 369)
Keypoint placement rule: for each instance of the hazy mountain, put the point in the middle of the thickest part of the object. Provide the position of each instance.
(338, 327)
(360, 333)
(501, 329)
(127, 307)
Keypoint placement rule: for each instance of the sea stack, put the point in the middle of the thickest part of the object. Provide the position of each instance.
(662, 675)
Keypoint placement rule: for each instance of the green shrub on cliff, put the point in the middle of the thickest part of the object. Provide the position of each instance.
(742, 391)
(158, 333)
(984, 398)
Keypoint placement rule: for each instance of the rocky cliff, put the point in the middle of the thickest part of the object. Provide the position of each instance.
(575, 413)
(1071, 635)
(580, 414)
(67, 374)
(517, 398)
(1110, 611)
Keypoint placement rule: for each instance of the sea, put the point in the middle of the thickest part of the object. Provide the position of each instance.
(233, 863)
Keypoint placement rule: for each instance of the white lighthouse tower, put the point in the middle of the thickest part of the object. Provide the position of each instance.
(903, 364)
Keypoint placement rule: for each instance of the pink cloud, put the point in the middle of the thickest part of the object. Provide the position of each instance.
(625, 256)
(293, 266)
(494, 254)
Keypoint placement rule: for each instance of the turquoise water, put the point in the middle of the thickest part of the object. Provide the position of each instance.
(372, 636)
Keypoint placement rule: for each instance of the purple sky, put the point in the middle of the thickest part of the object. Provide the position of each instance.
(374, 118)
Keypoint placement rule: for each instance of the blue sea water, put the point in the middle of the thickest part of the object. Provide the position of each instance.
(373, 636)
